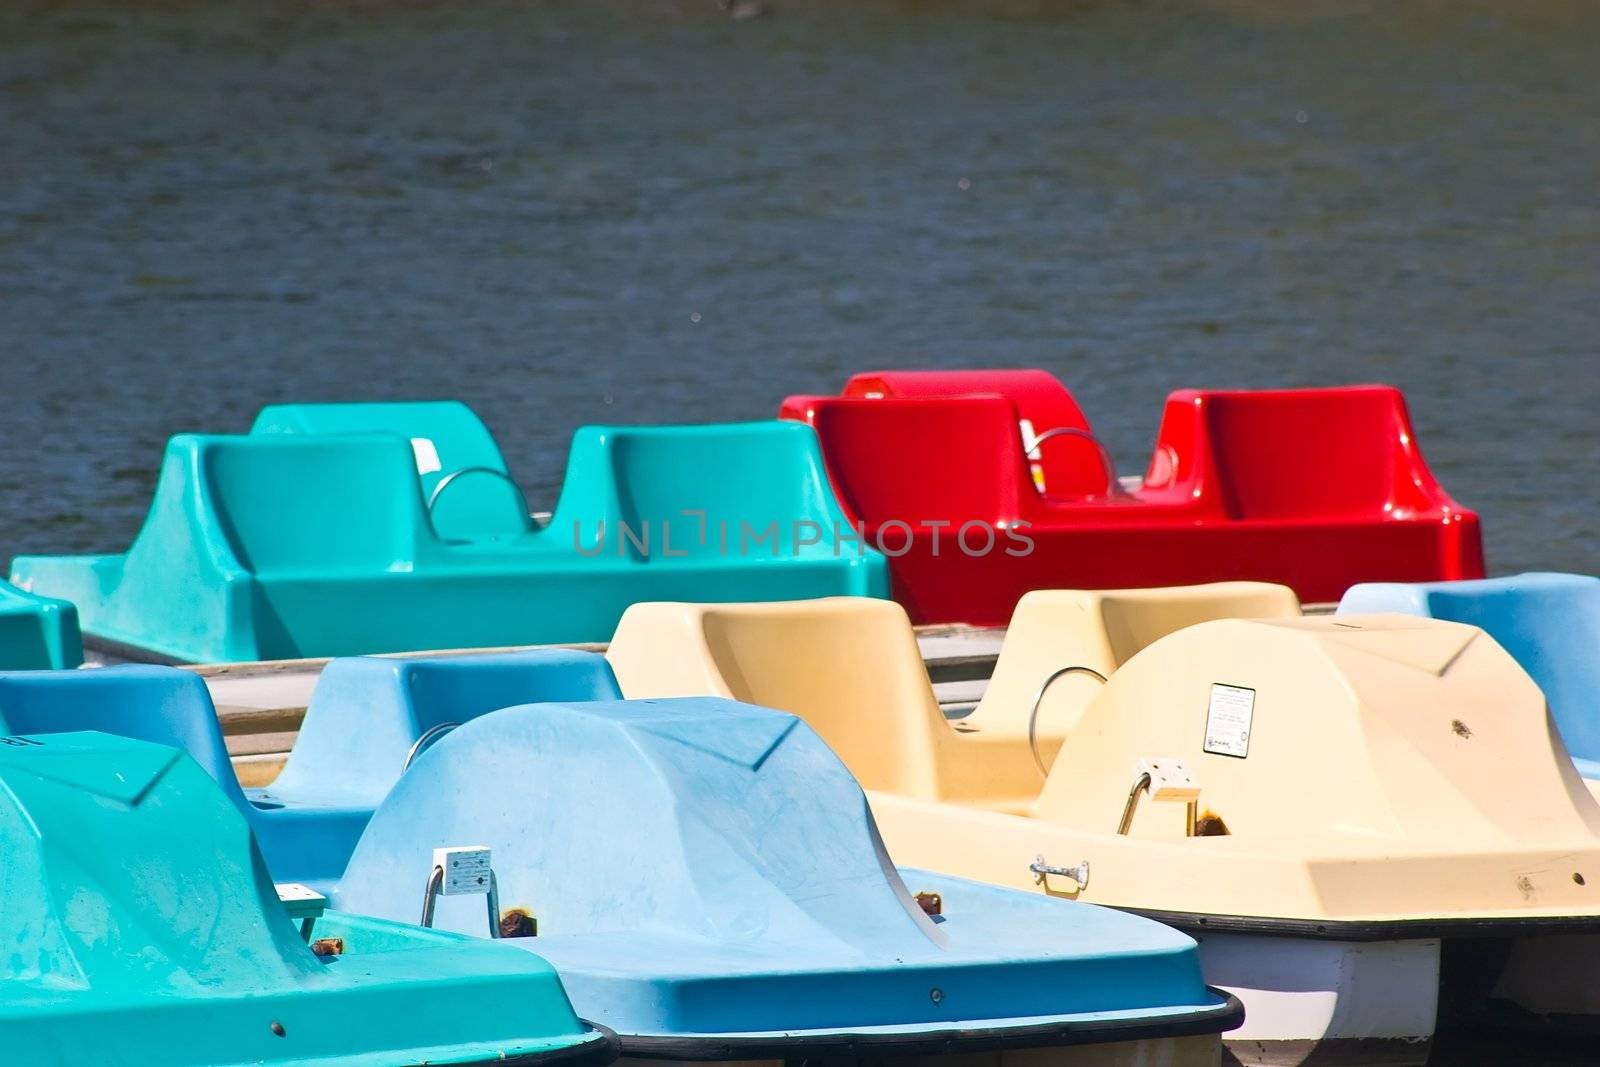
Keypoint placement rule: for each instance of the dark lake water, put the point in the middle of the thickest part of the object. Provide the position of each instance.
(565, 213)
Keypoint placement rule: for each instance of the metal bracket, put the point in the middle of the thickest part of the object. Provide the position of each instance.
(460, 871)
(1041, 869)
(1164, 779)
(304, 905)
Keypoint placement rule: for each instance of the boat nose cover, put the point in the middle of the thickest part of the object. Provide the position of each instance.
(1550, 623)
(139, 926)
(125, 869)
(626, 815)
(700, 866)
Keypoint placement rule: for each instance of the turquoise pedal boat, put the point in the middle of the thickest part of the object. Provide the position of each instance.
(143, 931)
(37, 632)
(334, 530)
(705, 875)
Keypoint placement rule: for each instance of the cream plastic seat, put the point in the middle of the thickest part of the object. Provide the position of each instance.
(848, 666)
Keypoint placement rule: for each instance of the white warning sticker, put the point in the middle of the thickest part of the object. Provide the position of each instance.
(1228, 720)
(427, 455)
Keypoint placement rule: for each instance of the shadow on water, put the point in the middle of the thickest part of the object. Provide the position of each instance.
(566, 213)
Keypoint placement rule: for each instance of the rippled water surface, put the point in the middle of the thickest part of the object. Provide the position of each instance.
(567, 213)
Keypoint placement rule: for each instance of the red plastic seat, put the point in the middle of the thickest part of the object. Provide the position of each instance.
(1070, 462)
(1317, 489)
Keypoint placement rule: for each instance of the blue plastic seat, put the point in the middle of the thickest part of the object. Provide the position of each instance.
(37, 632)
(368, 713)
(364, 717)
(1550, 623)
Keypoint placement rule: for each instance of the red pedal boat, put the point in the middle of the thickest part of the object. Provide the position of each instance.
(1317, 489)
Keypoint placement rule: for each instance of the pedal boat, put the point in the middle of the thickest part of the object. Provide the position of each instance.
(1354, 815)
(142, 929)
(984, 485)
(343, 529)
(705, 876)
(743, 906)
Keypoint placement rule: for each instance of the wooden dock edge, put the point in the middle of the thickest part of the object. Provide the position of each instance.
(261, 704)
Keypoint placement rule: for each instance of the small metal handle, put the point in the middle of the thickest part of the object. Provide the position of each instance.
(1140, 784)
(439, 487)
(1038, 699)
(1079, 874)
(429, 736)
(1113, 484)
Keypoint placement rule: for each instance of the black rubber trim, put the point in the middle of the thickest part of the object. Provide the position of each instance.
(130, 653)
(588, 1054)
(1373, 929)
(1225, 1016)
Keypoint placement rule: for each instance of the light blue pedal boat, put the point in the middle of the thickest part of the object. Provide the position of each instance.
(1550, 623)
(704, 875)
(341, 529)
(37, 632)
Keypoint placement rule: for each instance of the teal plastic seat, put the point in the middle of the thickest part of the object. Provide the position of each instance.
(1550, 623)
(143, 930)
(464, 478)
(706, 875)
(367, 717)
(281, 545)
(37, 632)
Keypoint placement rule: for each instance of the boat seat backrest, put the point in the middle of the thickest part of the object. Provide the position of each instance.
(848, 666)
(37, 632)
(23, 640)
(449, 445)
(1069, 464)
(1550, 623)
(367, 712)
(698, 491)
(910, 461)
(162, 705)
(1279, 453)
(297, 504)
